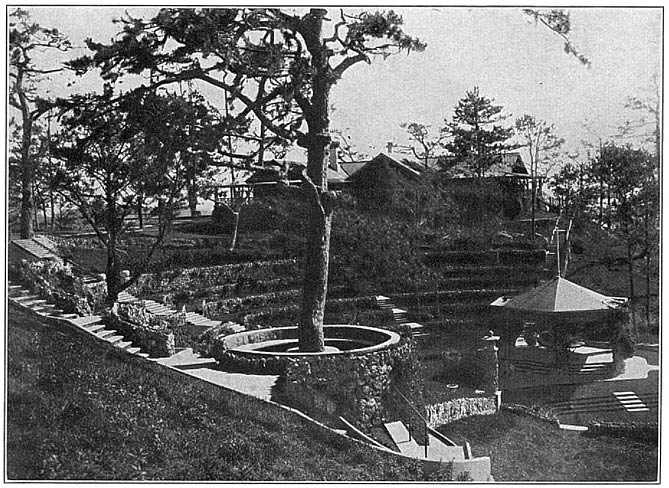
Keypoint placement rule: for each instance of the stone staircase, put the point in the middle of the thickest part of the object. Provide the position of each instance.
(617, 401)
(91, 324)
(400, 316)
(540, 367)
(194, 319)
(436, 449)
(38, 247)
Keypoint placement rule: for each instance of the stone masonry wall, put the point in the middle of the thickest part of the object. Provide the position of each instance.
(444, 413)
(347, 385)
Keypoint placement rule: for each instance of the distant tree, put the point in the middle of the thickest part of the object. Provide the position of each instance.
(428, 145)
(26, 39)
(650, 104)
(539, 138)
(633, 202)
(477, 133)
(571, 185)
(280, 67)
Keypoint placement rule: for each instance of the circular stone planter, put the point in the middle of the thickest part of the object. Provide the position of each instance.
(271, 349)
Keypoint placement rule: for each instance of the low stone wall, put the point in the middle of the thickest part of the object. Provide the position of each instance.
(447, 412)
(349, 385)
(643, 431)
(56, 283)
(187, 280)
(152, 333)
(156, 343)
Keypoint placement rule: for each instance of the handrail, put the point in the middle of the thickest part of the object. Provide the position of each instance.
(411, 405)
(427, 437)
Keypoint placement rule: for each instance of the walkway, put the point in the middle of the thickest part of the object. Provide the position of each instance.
(189, 362)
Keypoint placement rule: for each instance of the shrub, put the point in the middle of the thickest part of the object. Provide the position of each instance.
(56, 282)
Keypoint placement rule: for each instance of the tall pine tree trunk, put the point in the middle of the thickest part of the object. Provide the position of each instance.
(27, 205)
(113, 277)
(317, 252)
(192, 197)
(113, 269)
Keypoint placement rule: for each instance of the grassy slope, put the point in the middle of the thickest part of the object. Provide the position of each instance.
(78, 411)
(527, 449)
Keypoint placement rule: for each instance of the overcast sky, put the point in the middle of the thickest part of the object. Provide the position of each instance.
(520, 65)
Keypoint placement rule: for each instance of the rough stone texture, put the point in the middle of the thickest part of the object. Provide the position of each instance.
(644, 431)
(151, 333)
(348, 385)
(55, 282)
(191, 279)
(447, 412)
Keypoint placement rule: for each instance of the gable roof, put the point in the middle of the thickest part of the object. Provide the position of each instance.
(349, 168)
(504, 164)
(384, 158)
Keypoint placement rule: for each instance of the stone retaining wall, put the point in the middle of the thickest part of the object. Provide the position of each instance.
(644, 431)
(447, 412)
(155, 334)
(187, 280)
(157, 343)
(348, 385)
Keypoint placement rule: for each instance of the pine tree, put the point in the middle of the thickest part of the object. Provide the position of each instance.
(477, 133)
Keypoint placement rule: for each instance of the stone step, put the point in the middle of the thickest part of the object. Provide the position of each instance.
(133, 350)
(113, 339)
(17, 291)
(89, 319)
(29, 300)
(199, 320)
(95, 327)
(62, 315)
(125, 297)
(123, 344)
(398, 432)
(104, 333)
(47, 309)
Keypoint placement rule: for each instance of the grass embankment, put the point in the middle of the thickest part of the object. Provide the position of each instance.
(77, 410)
(526, 449)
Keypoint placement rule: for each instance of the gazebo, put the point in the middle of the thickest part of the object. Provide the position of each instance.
(559, 315)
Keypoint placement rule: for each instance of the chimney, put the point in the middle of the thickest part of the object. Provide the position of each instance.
(333, 162)
(389, 146)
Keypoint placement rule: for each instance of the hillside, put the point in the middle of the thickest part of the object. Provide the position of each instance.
(78, 411)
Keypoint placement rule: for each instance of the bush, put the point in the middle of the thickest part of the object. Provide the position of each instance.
(56, 283)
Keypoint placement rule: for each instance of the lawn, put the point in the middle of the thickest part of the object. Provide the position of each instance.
(522, 448)
(79, 411)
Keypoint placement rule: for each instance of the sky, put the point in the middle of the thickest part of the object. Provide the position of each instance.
(522, 66)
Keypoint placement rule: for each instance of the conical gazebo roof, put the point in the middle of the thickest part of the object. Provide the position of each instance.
(560, 299)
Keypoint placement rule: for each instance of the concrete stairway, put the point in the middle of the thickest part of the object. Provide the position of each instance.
(91, 324)
(192, 318)
(39, 247)
(436, 449)
(616, 401)
(400, 316)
